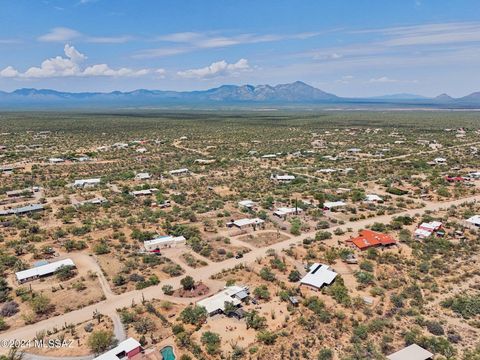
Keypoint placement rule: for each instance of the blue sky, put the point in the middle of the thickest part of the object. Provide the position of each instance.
(347, 47)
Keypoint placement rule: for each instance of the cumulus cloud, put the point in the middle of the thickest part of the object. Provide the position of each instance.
(72, 65)
(219, 68)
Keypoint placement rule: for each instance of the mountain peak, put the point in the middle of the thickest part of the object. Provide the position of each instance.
(443, 97)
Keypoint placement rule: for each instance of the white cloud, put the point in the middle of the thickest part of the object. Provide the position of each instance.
(9, 72)
(219, 68)
(386, 79)
(193, 41)
(60, 34)
(346, 79)
(71, 66)
(63, 34)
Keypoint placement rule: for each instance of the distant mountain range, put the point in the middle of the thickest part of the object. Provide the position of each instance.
(293, 94)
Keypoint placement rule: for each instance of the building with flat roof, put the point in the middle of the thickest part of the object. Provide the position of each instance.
(28, 209)
(86, 182)
(285, 211)
(125, 350)
(246, 204)
(318, 276)
(165, 241)
(42, 270)
(179, 172)
(244, 223)
(282, 178)
(329, 205)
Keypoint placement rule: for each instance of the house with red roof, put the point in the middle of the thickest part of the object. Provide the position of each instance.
(368, 238)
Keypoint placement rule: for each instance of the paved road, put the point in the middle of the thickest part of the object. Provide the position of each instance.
(109, 306)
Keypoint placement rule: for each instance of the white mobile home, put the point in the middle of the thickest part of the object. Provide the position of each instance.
(83, 183)
(244, 223)
(180, 172)
(42, 271)
(282, 178)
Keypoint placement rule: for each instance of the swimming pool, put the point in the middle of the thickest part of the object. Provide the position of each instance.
(167, 353)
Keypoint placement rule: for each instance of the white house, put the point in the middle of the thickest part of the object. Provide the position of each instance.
(42, 270)
(411, 352)
(125, 350)
(440, 161)
(54, 160)
(318, 276)
(204, 161)
(422, 233)
(474, 220)
(246, 204)
(244, 223)
(179, 172)
(86, 182)
(373, 198)
(142, 176)
(163, 242)
(94, 201)
(215, 304)
(282, 178)
(285, 211)
(145, 192)
(329, 205)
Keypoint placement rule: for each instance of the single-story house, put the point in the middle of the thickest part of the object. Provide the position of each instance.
(28, 209)
(127, 349)
(373, 198)
(431, 226)
(249, 204)
(179, 172)
(142, 176)
(215, 304)
(329, 205)
(54, 160)
(282, 178)
(474, 220)
(86, 182)
(285, 211)
(440, 161)
(94, 201)
(269, 156)
(427, 229)
(244, 223)
(163, 242)
(42, 270)
(146, 192)
(20, 193)
(368, 238)
(411, 352)
(204, 161)
(422, 233)
(318, 276)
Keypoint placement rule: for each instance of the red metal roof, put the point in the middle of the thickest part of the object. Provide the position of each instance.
(368, 238)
